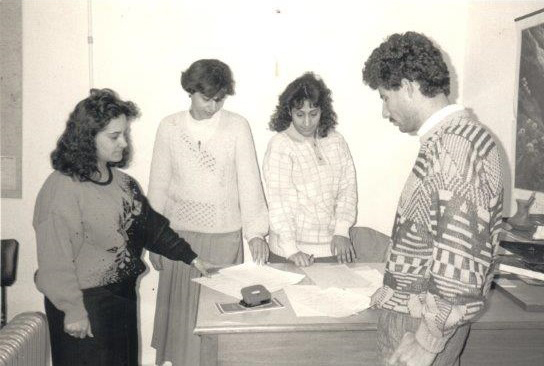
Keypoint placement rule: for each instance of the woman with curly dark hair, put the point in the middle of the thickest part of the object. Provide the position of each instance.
(310, 178)
(92, 222)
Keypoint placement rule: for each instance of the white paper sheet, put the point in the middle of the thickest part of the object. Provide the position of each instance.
(339, 291)
(301, 299)
(221, 284)
(252, 274)
(339, 276)
(373, 276)
(310, 300)
(231, 280)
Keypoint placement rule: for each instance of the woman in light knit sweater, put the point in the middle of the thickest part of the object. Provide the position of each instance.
(310, 178)
(205, 179)
(92, 222)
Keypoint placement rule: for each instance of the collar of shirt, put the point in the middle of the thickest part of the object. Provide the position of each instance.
(292, 133)
(202, 129)
(436, 118)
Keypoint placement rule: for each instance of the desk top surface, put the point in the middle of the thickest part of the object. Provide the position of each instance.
(501, 313)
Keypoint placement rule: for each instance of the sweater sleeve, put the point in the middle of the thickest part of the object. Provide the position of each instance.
(346, 202)
(251, 197)
(159, 237)
(161, 168)
(281, 195)
(57, 223)
(465, 222)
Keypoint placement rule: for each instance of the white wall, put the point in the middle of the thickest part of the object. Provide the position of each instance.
(54, 79)
(140, 47)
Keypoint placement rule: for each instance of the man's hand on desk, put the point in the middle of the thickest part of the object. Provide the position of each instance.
(410, 353)
(302, 259)
(343, 249)
(259, 250)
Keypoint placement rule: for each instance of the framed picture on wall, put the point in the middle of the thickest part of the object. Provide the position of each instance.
(529, 152)
(11, 102)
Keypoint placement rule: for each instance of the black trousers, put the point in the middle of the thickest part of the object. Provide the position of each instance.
(112, 313)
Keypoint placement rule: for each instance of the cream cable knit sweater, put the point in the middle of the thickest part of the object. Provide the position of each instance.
(210, 186)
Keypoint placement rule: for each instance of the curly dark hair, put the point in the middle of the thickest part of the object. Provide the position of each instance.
(209, 77)
(306, 87)
(410, 56)
(75, 154)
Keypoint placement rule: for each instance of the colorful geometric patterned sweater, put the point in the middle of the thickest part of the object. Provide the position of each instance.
(92, 234)
(440, 263)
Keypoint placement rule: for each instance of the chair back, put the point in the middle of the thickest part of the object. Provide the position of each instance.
(370, 245)
(8, 258)
(10, 251)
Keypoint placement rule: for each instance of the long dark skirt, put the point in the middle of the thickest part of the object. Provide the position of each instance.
(112, 313)
(177, 297)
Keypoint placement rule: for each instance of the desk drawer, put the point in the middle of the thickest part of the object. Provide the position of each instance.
(297, 348)
(507, 347)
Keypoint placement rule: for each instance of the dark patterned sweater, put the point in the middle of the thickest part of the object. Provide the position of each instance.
(444, 240)
(93, 234)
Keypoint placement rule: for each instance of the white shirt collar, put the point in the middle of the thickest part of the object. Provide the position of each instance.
(437, 117)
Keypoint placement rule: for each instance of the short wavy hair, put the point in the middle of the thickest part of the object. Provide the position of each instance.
(306, 87)
(208, 77)
(410, 56)
(75, 154)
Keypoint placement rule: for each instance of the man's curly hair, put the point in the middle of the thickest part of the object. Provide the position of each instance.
(75, 154)
(410, 56)
(306, 87)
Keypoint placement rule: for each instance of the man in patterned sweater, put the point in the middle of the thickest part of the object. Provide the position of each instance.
(444, 240)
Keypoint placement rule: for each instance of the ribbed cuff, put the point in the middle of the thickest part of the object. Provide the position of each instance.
(429, 341)
(288, 250)
(283, 248)
(342, 228)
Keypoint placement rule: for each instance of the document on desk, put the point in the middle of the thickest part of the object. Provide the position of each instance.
(222, 284)
(311, 300)
(231, 280)
(340, 276)
(373, 276)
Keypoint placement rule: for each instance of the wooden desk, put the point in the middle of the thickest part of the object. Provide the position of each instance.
(504, 335)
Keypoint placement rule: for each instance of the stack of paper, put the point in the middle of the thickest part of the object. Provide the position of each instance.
(334, 302)
(231, 280)
(373, 276)
(340, 276)
(338, 291)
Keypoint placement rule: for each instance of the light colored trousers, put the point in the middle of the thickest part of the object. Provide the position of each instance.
(392, 326)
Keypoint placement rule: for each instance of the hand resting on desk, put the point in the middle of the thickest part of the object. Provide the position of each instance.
(302, 259)
(343, 249)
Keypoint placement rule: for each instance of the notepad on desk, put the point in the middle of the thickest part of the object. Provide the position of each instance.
(237, 308)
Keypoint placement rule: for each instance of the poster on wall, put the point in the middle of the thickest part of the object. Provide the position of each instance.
(529, 152)
(11, 102)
